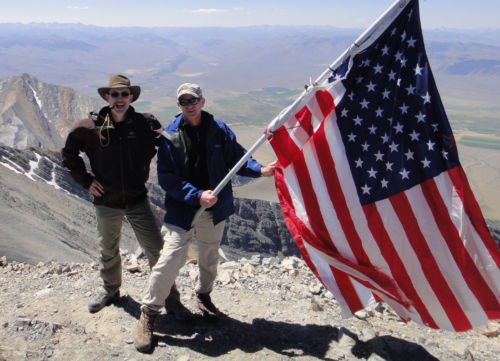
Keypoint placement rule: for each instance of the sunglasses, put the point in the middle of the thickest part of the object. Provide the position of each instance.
(124, 94)
(190, 101)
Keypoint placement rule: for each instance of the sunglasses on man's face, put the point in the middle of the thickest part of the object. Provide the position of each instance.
(190, 101)
(124, 94)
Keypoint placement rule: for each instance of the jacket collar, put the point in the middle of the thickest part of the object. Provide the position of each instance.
(179, 120)
(106, 110)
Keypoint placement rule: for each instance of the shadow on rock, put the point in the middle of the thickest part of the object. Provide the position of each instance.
(129, 305)
(392, 349)
(227, 334)
(289, 339)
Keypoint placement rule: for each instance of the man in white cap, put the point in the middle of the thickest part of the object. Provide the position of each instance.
(119, 143)
(197, 154)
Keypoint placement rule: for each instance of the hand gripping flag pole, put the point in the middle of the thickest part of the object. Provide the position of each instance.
(374, 30)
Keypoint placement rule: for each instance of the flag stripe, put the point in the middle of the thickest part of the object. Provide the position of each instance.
(398, 270)
(320, 230)
(465, 263)
(430, 268)
(365, 275)
(471, 207)
(437, 244)
(413, 267)
(477, 247)
(329, 276)
(336, 196)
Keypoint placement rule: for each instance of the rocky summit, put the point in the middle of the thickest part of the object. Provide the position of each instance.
(273, 310)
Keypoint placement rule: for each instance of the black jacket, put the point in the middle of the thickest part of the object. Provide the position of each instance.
(119, 160)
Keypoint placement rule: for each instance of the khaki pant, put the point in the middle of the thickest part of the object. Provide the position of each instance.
(174, 253)
(109, 225)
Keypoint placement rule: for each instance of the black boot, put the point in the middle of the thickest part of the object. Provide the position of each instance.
(103, 300)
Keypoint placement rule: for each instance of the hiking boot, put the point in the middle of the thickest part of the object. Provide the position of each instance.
(103, 300)
(143, 337)
(173, 306)
(207, 307)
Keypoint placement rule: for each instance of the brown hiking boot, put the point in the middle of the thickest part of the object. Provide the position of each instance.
(207, 307)
(143, 337)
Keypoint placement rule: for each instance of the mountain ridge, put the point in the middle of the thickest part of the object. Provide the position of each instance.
(34, 113)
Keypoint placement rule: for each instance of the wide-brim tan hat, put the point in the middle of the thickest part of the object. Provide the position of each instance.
(120, 81)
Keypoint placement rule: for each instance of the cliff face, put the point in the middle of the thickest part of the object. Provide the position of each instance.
(33, 113)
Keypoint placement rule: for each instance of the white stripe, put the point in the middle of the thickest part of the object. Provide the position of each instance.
(365, 295)
(320, 192)
(296, 195)
(412, 265)
(322, 267)
(330, 217)
(471, 240)
(328, 279)
(316, 112)
(439, 248)
(356, 212)
(344, 267)
(299, 136)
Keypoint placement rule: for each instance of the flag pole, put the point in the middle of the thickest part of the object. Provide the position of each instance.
(377, 27)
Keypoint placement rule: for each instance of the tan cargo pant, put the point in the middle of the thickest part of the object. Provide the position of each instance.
(174, 254)
(109, 225)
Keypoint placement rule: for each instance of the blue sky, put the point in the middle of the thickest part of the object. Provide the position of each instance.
(449, 14)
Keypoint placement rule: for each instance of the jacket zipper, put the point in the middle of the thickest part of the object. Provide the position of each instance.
(121, 170)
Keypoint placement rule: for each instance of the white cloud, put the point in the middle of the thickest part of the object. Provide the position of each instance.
(206, 11)
(77, 7)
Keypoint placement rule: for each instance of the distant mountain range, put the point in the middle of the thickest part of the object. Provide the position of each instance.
(234, 65)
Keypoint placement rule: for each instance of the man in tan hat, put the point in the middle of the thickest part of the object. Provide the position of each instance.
(197, 154)
(119, 143)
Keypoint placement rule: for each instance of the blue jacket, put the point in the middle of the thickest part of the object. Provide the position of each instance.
(182, 199)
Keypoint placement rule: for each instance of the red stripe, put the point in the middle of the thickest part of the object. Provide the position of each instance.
(325, 101)
(284, 147)
(377, 281)
(289, 215)
(348, 292)
(322, 241)
(304, 117)
(431, 270)
(318, 226)
(337, 197)
(398, 270)
(311, 204)
(462, 187)
(465, 263)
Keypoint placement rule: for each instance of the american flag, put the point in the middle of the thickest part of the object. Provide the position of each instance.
(374, 195)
